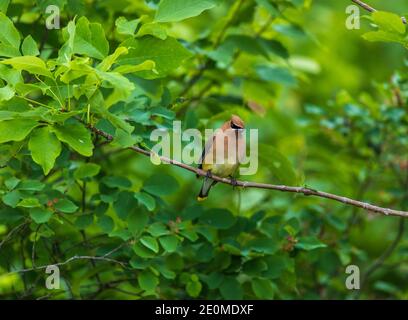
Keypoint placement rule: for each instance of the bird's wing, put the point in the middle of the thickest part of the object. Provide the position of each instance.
(207, 148)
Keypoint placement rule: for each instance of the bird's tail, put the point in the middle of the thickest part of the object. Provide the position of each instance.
(205, 189)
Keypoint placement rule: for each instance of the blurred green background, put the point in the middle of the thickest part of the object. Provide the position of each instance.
(332, 114)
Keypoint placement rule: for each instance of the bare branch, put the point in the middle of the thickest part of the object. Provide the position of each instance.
(10, 234)
(369, 8)
(34, 245)
(380, 261)
(364, 5)
(245, 184)
(92, 258)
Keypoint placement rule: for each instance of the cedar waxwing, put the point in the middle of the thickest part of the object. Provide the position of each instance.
(222, 163)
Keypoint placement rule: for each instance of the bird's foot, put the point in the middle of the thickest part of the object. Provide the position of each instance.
(234, 182)
(208, 174)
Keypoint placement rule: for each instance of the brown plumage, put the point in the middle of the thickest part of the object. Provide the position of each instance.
(222, 164)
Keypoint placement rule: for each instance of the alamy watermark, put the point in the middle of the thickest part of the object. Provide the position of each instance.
(353, 280)
(353, 18)
(232, 147)
(53, 20)
(52, 282)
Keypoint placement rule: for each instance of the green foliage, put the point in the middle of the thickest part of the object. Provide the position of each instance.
(390, 28)
(9, 38)
(331, 115)
(42, 139)
(176, 10)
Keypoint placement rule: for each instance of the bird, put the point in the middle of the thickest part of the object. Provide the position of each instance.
(222, 164)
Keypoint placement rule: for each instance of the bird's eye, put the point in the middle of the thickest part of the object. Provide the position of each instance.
(234, 126)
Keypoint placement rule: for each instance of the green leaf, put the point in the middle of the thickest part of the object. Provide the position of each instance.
(147, 281)
(124, 202)
(264, 245)
(274, 47)
(107, 63)
(4, 5)
(16, 130)
(106, 223)
(87, 170)
(8, 215)
(142, 251)
(26, 88)
(269, 5)
(66, 206)
(218, 218)
(309, 243)
(117, 182)
(29, 203)
(76, 136)
(262, 288)
(31, 185)
(163, 112)
(384, 36)
(169, 243)
(29, 47)
(9, 38)
(189, 234)
(161, 185)
(123, 26)
(168, 274)
(11, 76)
(278, 164)
(231, 289)
(84, 221)
(167, 54)
(67, 49)
(12, 183)
(277, 265)
(148, 65)
(146, 199)
(389, 22)
(154, 29)
(254, 267)
(137, 221)
(151, 243)
(124, 139)
(12, 198)
(158, 229)
(6, 93)
(176, 10)
(44, 147)
(30, 64)
(276, 74)
(40, 215)
(115, 120)
(193, 288)
(123, 234)
(224, 54)
(43, 4)
(89, 39)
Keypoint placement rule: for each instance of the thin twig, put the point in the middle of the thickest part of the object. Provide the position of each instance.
(364, 5)
(380, 261)
(195, 78)
(124, 291)
(10, 234)
(245, 184)
(92, 258)
(34, 245)
(387, 253)
(181, 109)
(115, 249)
(369, 8)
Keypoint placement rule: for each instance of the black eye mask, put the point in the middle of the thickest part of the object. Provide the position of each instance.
(235, 127)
